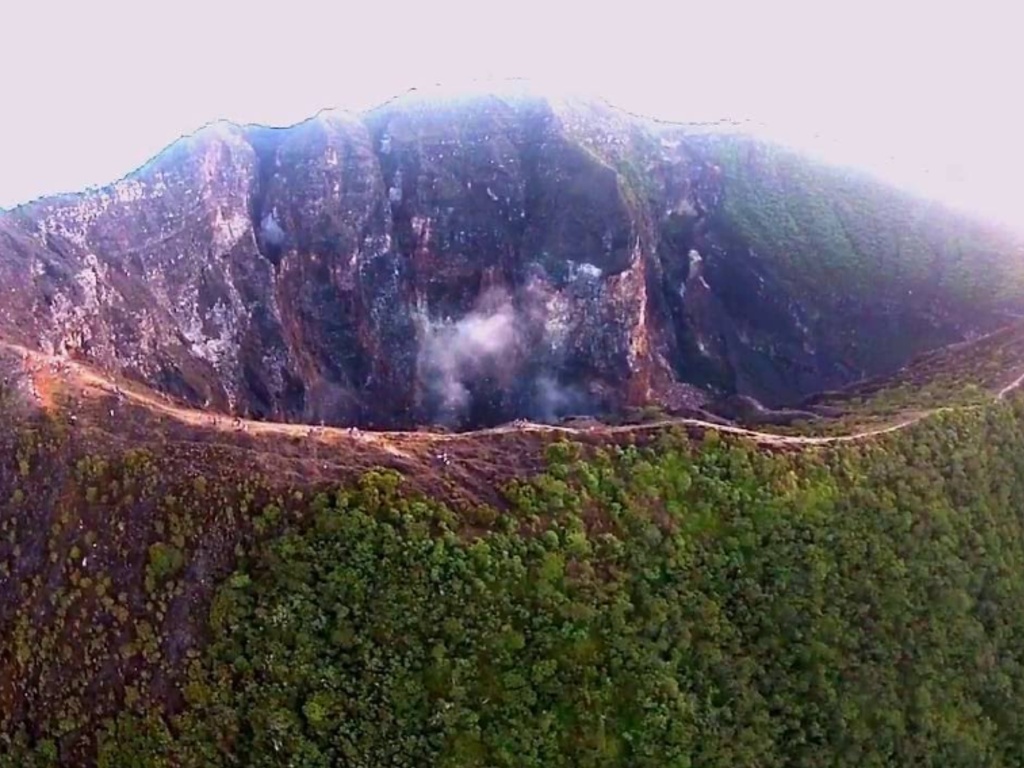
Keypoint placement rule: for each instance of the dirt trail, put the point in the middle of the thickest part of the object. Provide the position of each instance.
(39, 365)
(43, 370)
(1010, 387)
(764, 438)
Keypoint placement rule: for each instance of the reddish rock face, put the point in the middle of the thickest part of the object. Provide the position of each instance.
(460, 261)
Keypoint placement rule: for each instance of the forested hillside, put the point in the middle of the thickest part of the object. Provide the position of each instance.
(684, 600)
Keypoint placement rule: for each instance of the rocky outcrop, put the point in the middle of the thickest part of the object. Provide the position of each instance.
(465, 261)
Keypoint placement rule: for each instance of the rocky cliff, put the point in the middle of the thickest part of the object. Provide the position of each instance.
(473, 260)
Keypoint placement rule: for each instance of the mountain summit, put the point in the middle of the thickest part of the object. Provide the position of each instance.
(474, 260)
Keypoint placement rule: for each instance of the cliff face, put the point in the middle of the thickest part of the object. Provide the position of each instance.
(470, 261)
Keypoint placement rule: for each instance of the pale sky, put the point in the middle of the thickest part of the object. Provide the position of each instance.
(925, 94)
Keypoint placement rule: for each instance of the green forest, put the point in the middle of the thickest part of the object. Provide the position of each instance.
(684, 602)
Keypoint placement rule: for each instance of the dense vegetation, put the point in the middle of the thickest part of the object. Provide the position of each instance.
(690, 604)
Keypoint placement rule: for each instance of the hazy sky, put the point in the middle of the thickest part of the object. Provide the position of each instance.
(923, 93)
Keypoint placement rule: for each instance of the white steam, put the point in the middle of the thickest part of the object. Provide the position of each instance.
(552, 400)
(494, 363)
(271, 232)
(482, 344)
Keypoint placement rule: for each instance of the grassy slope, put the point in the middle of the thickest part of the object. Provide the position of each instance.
(966, 375)
(826, 222)
(857, 252)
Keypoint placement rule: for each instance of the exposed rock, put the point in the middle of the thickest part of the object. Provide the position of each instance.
(458, 261)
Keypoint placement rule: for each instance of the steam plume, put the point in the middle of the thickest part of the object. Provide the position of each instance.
(454, 354)
(271, 232)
